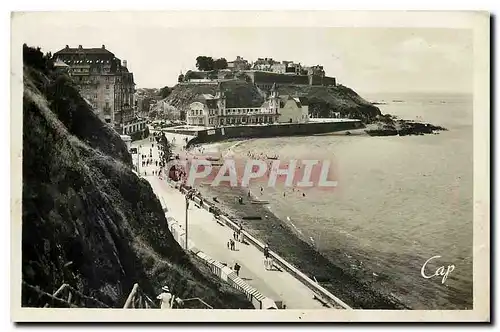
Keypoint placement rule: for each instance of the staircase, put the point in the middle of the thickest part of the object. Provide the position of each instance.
(68, 297)
(65, 297)
(137, 299)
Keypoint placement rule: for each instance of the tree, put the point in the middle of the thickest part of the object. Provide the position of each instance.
(35, 58)
(180, 78)
(145, 104)
(189, 75)
(204, 63)
(220, 64)
(165, 92)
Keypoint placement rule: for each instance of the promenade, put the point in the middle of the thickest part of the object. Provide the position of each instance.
(209, 236)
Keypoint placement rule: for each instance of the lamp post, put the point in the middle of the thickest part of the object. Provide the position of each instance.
(187, 207)
(139, 160)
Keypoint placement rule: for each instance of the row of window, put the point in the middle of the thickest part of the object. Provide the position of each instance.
(243, 111)
(230, 111)
(86, 61)
(196, 112)
(86, 70)
(237, 120)
(134, 128)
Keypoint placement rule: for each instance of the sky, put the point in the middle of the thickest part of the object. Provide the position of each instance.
(369, 60)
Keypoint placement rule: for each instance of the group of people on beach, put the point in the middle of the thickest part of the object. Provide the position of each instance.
(261, 156)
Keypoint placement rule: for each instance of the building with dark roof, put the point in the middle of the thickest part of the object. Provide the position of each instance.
(213, 111)
(103, 80)
(238, 64)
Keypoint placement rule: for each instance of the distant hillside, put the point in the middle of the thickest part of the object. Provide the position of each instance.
(322, 100)
(339, 98)
(87, 219)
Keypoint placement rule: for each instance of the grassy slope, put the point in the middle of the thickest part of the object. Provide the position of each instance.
(83, 204)
(237, 93)
(339, 99)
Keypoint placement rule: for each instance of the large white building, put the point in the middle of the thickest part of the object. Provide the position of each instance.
(213, 111)
(293, 110)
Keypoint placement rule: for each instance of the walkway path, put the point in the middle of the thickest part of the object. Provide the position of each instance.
(211, 238)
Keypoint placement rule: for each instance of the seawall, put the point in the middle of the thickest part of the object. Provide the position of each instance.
(264, 131)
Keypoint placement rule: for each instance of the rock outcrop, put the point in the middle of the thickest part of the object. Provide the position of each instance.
(388, 125)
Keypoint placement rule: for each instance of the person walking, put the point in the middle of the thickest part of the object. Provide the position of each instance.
(266, 251)
(237, 268)
(168, 300)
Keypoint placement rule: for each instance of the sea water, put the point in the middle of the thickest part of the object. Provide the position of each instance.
(400, 202)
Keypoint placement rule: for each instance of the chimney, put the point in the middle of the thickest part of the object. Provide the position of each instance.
(67, 47)
(80, 46)
(103, 47)
(124, 63)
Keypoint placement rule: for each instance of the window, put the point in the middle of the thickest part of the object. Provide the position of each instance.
(107, 104)
(107, 86)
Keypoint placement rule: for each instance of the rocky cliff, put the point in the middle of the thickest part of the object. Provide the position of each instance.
(323, 100)
(87, 219)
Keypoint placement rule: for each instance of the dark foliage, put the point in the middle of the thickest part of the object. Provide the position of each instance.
(87, 219)
(165, 92)
(204, 63)
(166, 148)
(220, 64)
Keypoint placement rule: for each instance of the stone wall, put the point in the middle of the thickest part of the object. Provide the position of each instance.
(329, 81)
(288, 129)
(266, 79)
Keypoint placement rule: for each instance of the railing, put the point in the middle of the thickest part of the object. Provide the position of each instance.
(65, 297)
(197, 299)
(137, 299)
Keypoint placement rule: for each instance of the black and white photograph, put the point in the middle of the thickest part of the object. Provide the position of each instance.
(305, 168)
